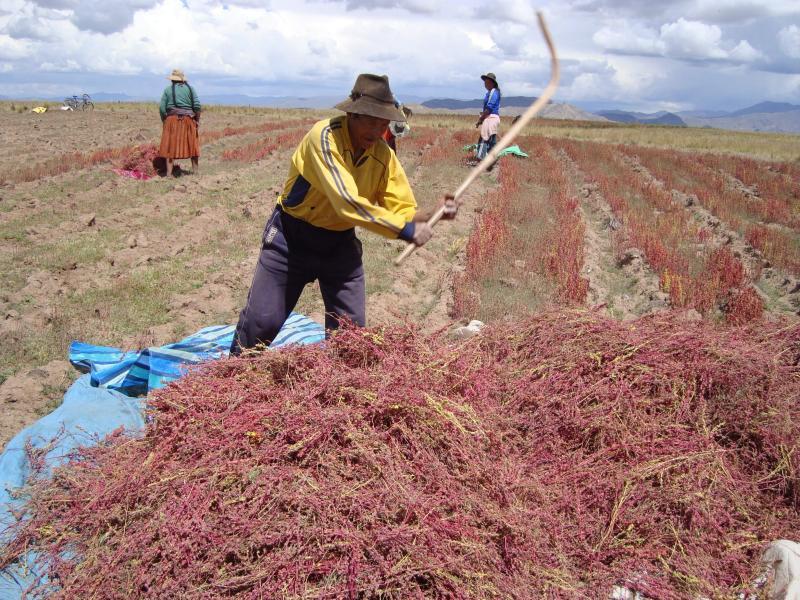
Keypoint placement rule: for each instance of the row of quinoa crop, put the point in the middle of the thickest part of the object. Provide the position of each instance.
(421, 147)
(64, 163)
(692, 273)
(260, 149)
(428, 147)
(778, 193)
(74, 161)
(528, 239)
(763, 222)
(212, 136)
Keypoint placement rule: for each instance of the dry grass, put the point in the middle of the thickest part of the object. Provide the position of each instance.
(766, 146)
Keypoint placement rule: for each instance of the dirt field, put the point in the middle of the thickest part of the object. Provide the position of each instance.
(90, 255)
(93, 256)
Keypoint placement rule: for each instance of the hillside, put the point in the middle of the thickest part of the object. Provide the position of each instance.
(453, 104)
(773, 117)
(511, 107)
(787, 121)
(659, 118)
(766, 107)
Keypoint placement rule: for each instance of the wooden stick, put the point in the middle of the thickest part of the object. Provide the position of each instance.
(506, 140)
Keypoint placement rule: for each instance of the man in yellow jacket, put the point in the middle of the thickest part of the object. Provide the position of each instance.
(341, 175)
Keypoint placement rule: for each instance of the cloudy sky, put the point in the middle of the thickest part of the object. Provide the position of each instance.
(636, 54)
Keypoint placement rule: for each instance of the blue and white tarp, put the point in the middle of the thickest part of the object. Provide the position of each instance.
(103, 400)
(136, 373)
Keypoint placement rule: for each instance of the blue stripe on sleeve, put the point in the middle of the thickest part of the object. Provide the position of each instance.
(298, 192)
(407, 232)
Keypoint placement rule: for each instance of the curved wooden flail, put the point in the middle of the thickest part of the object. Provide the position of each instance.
(506, 140)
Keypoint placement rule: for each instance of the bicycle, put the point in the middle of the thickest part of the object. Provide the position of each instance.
(84, 102)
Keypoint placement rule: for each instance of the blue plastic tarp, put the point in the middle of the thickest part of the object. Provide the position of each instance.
(85, 417)
(104, 400)
(136, 373)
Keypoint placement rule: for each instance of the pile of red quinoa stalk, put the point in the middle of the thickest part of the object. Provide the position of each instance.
(555, 457)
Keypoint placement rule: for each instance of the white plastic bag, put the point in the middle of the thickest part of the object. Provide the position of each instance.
(782, 557)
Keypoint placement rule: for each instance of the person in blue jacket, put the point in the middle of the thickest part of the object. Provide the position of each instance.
(489, 119)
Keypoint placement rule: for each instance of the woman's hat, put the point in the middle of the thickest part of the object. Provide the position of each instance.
(372, 96)
(490, 76)
(177, 75)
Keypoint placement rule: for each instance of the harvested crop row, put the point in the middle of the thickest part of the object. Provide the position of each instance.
(777, 193)
(554, 457)
(621, 282)
(264, 147)
(526, 246)
(752, 217)
(79, 160)
(702, 279)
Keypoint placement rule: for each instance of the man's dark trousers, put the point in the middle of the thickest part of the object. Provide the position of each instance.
(294, 254)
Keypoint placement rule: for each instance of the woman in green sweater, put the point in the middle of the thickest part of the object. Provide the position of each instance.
(180, 114)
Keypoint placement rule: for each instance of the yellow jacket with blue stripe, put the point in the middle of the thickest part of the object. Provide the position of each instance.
(327, 189)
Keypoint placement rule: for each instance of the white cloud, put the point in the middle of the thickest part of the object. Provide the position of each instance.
(729, 11)
(480, 40)
(740, 11)
(413, 6)
(29, 27)
(708, 11)
(586, 86)
(630, 38)
(100, 16)
(633, 82)
(745, 53)
(683, 40)
(692, 40)
(613, 49)
(11, 49)
(66, 66)
(618, 8)
(789, 38)
(514, 11)
(318, 48)
(34, 23)
(511, 39)
(264, 4)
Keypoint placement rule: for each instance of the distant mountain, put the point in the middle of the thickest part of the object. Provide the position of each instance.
(778, 117)
(453, 104)
(766, 108)
(271, 101)
(702, 114)
(116, 97)
(765, 116)
(659, 118)
(777, 122)
(511, 106)
(620, 116)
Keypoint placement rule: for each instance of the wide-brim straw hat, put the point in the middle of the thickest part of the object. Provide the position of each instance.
(177, 75)
(372, 96)
(492, 77)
